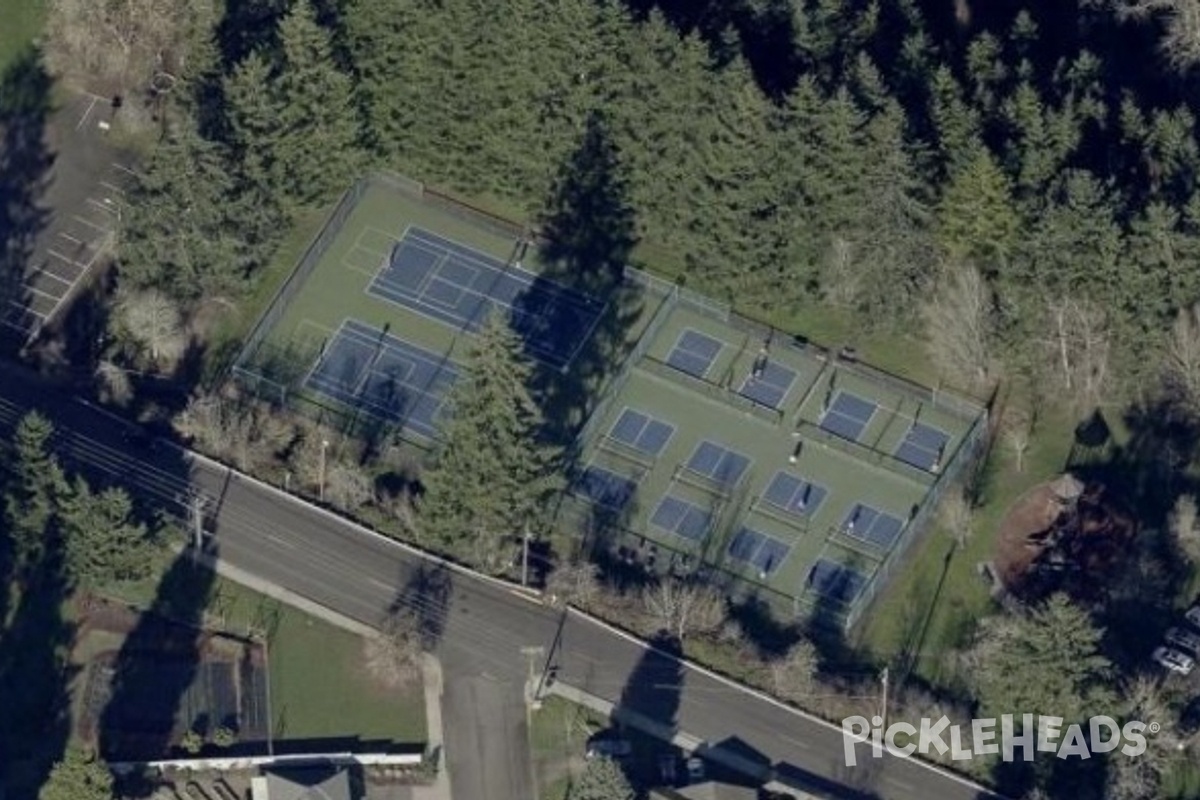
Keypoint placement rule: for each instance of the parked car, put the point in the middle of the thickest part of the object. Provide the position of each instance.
(695, 769)
(1174, 660)
(1184, 639)
(608, 746)
(1192, 615)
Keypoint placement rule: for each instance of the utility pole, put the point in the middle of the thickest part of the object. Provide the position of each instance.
(525, 559)
(541, 686)
(198, 523)
(532, 696)
(883, 678)
(321, 479)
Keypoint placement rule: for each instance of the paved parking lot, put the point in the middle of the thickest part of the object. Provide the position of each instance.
(84, 197)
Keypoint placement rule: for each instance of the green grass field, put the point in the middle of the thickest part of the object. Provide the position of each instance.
(318, 687)
(711, 407)
(558, 735)
(22, 23)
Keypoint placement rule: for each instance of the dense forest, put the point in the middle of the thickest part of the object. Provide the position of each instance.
(784, 155)
(1018, 187)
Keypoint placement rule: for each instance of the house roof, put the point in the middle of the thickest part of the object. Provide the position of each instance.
(709, 790)
(308, 784)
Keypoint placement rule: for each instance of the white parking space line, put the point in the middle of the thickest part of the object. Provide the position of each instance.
(70, 238)
(55, 276)
(112, 187)
(67, 259)
(106, 205)
(100, 228)
(35, 290)
(83, 120)
(124, 169)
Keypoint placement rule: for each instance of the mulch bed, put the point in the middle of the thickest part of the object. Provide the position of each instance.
(1032, 512)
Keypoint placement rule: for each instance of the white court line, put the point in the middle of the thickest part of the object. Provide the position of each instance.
(90, 224)
(83, 120)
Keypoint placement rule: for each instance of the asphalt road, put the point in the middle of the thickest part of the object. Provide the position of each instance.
(481, 629)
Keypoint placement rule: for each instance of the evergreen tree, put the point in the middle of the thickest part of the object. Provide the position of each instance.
(188, 230)
(104, 544)
(32, 494)
(602, 779)
(976, 219)
(316, 152)
(492, 475)
(254, 114)
(79, 776)
(1045, 662)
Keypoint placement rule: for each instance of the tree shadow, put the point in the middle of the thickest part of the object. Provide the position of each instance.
(587, 237)
(35, 677)
(647, 711)
(426, 594)
(24, 167)
(156, 667)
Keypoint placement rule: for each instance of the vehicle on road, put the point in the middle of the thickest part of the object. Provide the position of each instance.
(1174, 660)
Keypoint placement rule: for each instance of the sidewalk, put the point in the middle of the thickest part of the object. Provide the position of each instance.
(431, 672)
(431, 669)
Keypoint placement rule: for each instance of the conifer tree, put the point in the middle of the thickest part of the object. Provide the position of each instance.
(103, 543)
(32, 494)
(976, 219)
(78, 776)
(492, 474)
(315, 146)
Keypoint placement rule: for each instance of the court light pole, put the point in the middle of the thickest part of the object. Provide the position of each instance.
(321, 479)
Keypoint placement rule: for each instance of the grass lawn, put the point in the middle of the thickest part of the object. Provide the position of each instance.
(318, 688)
(22, 24)
(558, 735)
(932, 604)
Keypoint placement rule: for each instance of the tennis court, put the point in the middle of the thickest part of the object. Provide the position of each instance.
(388, 378)
(461, 286)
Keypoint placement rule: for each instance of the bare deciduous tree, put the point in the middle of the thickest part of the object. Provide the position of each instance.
(957, 516)
(1077, 341)
(794, 674)
(393, 655)
(959, 325)
(113, 383)
(348, 486)
(121, 43)
(1017, 430)
(246, 433)
(683, 607)
(1183, 360)
(151, 322)
(1180, 42)
(573, 583)
(841, 280)
(1184, 527)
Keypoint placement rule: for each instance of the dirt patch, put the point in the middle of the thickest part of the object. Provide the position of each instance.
(1032, 513)
(1050, 541)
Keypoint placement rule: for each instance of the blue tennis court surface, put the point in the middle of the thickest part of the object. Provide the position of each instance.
(872, 526)
(682, 518)
(835, 581)
(388, 378)
(694, 353)
(848, 415)
(923, 447)
(461, 286)
(771, 387)
(605, 488)
(722, 466)
(641, 432)
(794, 495)
(759, 550)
